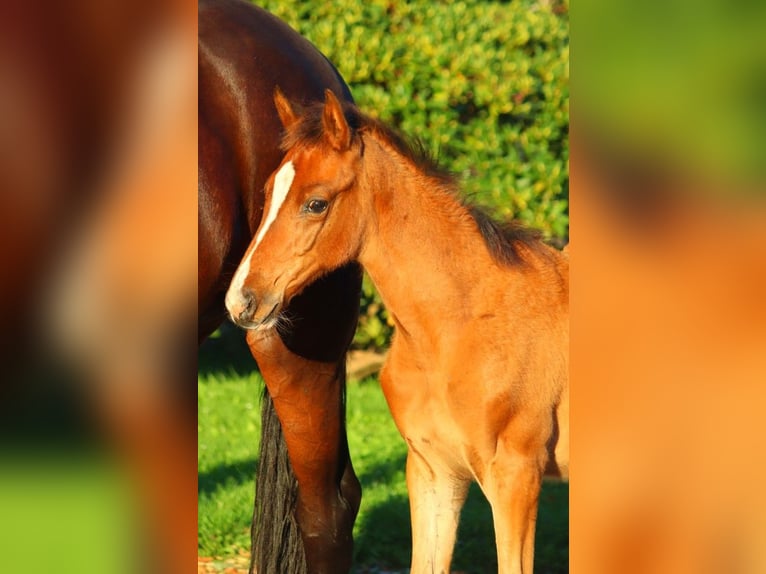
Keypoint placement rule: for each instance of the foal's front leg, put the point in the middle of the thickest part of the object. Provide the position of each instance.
(436, 497)
(513, 489)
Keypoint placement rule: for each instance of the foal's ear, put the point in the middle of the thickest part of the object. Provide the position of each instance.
(284, 108)
(334, 123)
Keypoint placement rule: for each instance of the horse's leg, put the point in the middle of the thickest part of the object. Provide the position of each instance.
(304, 371)
(436, 497)
(512, 486)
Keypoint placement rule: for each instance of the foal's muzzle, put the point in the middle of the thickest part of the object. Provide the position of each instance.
(243, 309)
(249, 313)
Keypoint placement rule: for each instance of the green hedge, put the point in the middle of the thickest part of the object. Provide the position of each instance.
(483, 84)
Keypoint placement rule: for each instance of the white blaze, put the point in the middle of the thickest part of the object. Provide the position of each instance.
(282, 182)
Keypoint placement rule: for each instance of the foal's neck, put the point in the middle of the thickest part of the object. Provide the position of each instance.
(424, 251)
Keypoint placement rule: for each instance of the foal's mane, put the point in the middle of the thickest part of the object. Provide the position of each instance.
(503, 238)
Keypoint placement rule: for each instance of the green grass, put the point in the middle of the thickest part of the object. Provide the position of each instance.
(229, 412)
(68, 511)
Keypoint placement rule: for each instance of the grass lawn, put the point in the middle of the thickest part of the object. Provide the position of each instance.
(229, 413)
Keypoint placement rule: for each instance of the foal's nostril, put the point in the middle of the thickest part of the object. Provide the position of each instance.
(248, 310)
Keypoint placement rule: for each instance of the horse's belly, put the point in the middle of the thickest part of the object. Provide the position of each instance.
(454, 417)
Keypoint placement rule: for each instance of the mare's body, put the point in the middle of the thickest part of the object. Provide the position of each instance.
(477, 375)
(243, 53)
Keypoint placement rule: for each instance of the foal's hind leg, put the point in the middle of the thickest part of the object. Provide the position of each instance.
(513, 488)
(436, 498)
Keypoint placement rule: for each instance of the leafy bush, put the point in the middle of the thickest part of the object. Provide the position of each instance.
(484, 84)
(375, 325)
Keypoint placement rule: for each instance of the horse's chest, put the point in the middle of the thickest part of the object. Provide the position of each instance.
(421, 407)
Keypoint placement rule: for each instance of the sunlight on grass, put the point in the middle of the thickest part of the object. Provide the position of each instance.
(228, 431)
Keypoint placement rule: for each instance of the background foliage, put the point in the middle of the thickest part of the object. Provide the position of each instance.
(483, 84)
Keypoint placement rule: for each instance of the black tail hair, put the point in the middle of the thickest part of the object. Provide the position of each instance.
(276, 540)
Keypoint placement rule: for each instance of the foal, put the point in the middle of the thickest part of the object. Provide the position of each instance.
(476, 378)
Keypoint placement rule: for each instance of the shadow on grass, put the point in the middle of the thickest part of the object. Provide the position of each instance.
(384, 539)
(227, 475)
(226, 352)
(552, 538)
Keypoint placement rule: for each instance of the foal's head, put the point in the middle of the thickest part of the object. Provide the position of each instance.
(313, 218)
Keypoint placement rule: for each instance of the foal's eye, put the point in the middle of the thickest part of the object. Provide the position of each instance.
(315, 206)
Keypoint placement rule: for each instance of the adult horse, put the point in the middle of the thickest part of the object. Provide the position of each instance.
(244, 52)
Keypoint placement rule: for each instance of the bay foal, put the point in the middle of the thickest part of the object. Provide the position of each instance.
(476, 378)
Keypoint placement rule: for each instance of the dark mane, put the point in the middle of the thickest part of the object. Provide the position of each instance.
(502, 238)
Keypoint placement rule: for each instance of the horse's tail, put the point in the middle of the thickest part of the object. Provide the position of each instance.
(277, 545)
